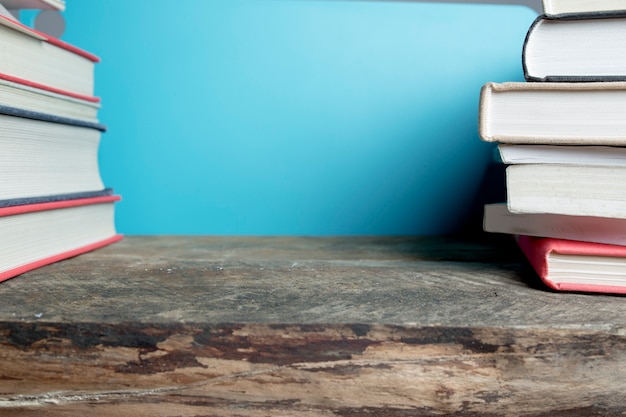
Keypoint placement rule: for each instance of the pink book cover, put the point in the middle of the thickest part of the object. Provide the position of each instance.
(537, 249)
(53, 41)
(30, 208)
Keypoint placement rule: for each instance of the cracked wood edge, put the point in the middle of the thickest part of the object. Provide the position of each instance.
(311, 370)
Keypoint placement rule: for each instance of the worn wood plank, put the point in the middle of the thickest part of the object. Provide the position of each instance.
(216, 326)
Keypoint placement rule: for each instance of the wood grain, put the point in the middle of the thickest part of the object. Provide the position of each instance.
(238, 326)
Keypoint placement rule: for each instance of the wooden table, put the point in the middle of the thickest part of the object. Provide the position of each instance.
(312, 327)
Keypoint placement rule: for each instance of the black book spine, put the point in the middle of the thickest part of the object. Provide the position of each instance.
(12, 202)
(45, 117)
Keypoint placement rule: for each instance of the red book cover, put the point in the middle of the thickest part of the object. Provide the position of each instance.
(595, 267)
(44, 87)
(68, 251)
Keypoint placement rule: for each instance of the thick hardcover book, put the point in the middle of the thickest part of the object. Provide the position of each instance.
(579, 48)
(46, 155)
(42, 100)
(572, 8)
(562, 154)
(573, 190)
(553, 113)
(47, 88)
(35, 235)
(568, 265)
(40, 60)
(499, 219)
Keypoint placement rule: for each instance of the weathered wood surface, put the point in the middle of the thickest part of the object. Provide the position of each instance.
(215, 326)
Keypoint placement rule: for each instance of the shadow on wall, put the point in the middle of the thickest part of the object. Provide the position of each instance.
(472, 176)
(491, 189)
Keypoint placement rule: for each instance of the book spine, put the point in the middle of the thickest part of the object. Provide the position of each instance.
(31, 201)
(529, 33)
(483, 113)
(44, 117)
(55, 205)
(601, 14)
(536, 252)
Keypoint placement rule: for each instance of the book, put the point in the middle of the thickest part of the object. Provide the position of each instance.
(567, 8)
(562, 154)
(41, 154)
(41, 60)
(22, 201)
(34, 4)
(36, 235)
(499, 219)
(44, 100)
(575, 190)
(579, 48)
(553, 113)
(569, 265)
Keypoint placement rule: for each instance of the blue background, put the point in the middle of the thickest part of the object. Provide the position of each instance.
(295, 117)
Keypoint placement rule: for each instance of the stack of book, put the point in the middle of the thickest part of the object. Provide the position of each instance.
(562, 134)
(53, 203)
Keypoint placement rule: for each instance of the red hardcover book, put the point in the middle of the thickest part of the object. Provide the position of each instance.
(50, 89)
(569, 265)
(38, 60)
(34, 235)
(23, 96)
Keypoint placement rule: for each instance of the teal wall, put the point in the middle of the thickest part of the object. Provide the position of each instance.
(295, 117)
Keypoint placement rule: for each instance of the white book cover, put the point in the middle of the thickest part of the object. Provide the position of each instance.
(568, 7)
(576, 190)
(563, 154)
(499, 219)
